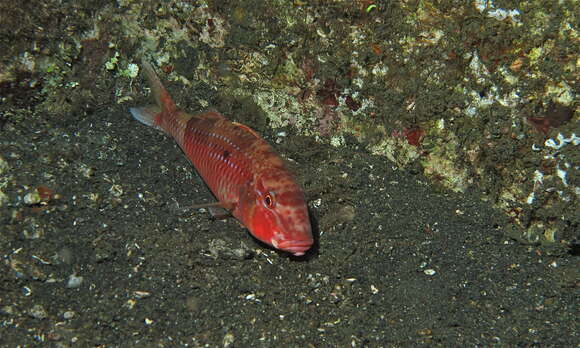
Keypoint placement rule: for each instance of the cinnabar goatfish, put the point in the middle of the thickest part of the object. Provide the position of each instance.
(241, 169)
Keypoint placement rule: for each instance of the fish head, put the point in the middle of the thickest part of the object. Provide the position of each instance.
(279, 214)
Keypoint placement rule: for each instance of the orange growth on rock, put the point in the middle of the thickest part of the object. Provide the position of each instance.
(414, 135)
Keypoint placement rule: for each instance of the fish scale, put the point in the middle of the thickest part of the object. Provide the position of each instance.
(241, 169)
(207, 150)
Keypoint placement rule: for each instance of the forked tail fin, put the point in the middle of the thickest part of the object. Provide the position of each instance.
(165, 104)
(162, 97)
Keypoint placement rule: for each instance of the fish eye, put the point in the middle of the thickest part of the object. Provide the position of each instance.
(269, 200)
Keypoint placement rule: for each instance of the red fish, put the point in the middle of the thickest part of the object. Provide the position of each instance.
(241, 169)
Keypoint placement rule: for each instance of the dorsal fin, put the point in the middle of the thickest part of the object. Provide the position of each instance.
(246, 129)
(211, 115)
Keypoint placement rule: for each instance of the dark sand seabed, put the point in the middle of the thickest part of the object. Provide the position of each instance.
(113, 262)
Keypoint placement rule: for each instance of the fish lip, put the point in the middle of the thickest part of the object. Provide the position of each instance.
(296, 247)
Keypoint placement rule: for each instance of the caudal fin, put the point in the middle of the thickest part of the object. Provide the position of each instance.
(146, 114)
(162, 98)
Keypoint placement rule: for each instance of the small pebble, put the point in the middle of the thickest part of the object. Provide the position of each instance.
(429, 272)
(38, 312)
(74, 281)
(32, 198)
(141, 294)
(68, 315)
(26, 291)
(228, 340)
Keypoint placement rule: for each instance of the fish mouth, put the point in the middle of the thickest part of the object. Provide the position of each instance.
(296, 247)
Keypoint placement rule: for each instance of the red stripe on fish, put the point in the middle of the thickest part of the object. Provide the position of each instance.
(241, 169)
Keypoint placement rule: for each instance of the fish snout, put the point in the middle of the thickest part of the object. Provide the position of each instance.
(296, 247)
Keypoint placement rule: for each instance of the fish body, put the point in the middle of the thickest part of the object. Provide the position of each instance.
(241, 169)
